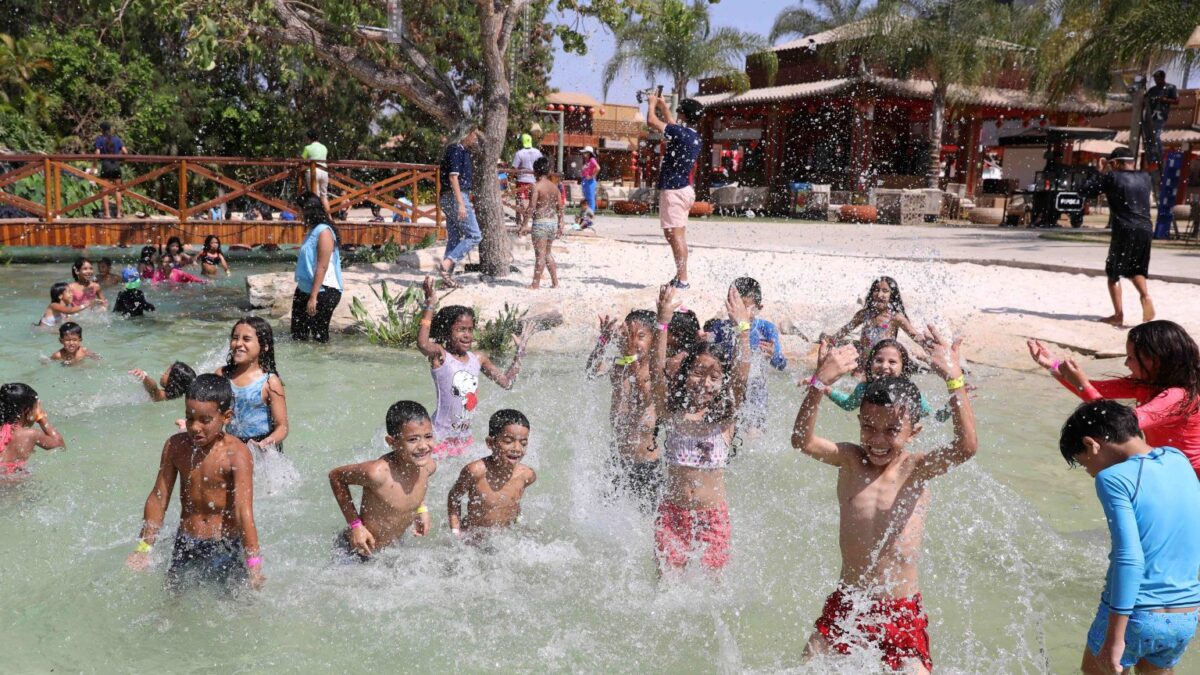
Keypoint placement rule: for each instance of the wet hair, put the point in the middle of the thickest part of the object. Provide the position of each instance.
(146, 257)
(266, 344)
(77, 266)
(541, 167)
(209, 388)
(70, 328)
(176, 241)
(403, 412)
(16, 401)
(892, 392)
(685, 328)
(896, 303)
(57, 290)
(312, 210)
(446, 317)
(721, 410)
(180, 377)
(1178, 358)
(749, 289)
(107, 261)
(645, 317)
(1102, 420)
(907, 365)
(712, 325)
(503, 418)
(209, 240)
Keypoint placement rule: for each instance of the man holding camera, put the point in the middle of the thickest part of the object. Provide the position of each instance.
(675, 192)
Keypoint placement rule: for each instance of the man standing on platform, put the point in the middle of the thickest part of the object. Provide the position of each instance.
(1128, 192)
(675, 192)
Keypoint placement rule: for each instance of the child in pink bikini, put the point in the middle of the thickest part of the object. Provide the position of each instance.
(23, 427)
(882, 317)
(446, 341)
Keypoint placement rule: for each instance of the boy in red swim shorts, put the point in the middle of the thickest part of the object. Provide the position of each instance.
(883, 497)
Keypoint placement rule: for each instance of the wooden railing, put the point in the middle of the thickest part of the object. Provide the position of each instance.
(55, 200)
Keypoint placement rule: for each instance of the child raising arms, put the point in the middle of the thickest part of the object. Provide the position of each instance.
(697, 407)
(888, 358)
(393, 486)
(23, 427)
(446, 341)
(494, 485)
(881, 317)
(883, 498)
(259, 407)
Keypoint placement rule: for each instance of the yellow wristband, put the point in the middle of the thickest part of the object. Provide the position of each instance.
(955, 384)
(743, 326)
(626, 360)
(422, 509)
(142, 547)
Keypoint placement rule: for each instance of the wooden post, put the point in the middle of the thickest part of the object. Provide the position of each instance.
(48, 181)
(183, 187)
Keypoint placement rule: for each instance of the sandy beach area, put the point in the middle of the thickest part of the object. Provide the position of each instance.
(994, 288)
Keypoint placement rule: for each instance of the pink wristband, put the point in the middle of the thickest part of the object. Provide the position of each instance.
(817, 384)
(1054, 366)
(603, 340)
(357, 523)
(253, 562)
(663, 327)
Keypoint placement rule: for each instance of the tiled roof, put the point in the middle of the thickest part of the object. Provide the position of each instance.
(572, 98)
(787, 92)
(1168, 136)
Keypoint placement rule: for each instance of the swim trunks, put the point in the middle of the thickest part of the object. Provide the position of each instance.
(196, 562)
(679, 533)
(642, 481)
(1159, 637)
(1128, 254)
(544, 229)
(343, 552)
(898, 627)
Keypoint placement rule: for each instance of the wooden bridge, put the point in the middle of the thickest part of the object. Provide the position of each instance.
(55, 200)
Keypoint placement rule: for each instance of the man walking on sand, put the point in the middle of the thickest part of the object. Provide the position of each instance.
(675, 193)
(1128, 192)
(462, 229)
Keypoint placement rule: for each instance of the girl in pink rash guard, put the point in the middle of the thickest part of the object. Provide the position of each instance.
(1164, 380)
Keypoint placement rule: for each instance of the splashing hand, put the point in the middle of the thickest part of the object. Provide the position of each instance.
(422, 526)
(430, 293)
(1040, 354)
(1073, 374)
(139, 374)
(944, 355)
(738, 311)
(138, 562)
(667, 303)
(836, 362)
(608, 325)
(361, 539)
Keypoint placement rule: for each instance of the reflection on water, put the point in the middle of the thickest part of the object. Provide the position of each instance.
(1013, 562)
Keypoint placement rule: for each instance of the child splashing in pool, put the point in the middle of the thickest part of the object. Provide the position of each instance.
(85, 291)
(173, 383)
(888, 358)
(61, 306)
(882, 317)
(260, 416)
(23, 427)
(883, 497)
(446, 341)
(698, 408)
(212, 256)
(70, 336)
(1164, 381)
(493, 486)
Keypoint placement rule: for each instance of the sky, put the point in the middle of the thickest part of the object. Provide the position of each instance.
(582, 73)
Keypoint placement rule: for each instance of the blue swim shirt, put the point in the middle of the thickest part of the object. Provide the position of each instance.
(1151, 502)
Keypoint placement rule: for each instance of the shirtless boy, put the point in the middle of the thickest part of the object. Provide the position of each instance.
(495, 484)
(70, 336)
(883, 498)
(634, 462)
(393, 486)
(217, 542)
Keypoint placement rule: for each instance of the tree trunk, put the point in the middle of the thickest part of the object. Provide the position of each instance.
(937, 120)
(495, 251)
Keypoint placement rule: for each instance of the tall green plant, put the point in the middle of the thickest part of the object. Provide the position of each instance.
(400, 324)
(495, 336)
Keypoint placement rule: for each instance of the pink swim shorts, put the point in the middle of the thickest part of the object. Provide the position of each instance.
(674, 205)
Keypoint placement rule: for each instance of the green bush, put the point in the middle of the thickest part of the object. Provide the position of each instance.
(495, 335)
(399, 327)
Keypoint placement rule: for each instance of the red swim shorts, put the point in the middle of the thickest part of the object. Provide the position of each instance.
(679, 532)
(896, 626)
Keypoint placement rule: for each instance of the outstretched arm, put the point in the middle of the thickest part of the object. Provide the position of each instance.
(859, 317)
(155, 509)
(507, 378)
(945, 360)
(596, 366)
(432, 350)
(658, 366)
(739, 316)
(454, 499)
(149, 385)
(834, 362)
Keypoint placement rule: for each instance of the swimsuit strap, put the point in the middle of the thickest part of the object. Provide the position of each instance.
(6, 434)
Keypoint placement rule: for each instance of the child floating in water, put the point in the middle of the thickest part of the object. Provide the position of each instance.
(494, 485)
(697, 407)
(131, 302)
(212, 256)
(23, 427)
(393, 486)
(764, 340)
(446, 341)
(888, 358)
(1148, 609)
(260, 416)
(60, 307)
(172, 384)
(882, 317)
(70, 336)
(883, 497)
(1164, 380)
(217, 542)
(634, 461)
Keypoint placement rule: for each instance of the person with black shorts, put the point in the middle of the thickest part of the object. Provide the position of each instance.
(108, 143)
(1128, 192)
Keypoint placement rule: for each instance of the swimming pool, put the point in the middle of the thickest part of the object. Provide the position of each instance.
(1014, 555)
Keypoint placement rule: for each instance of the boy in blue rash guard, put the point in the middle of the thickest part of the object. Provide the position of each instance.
(764, 339)
(1148, 609)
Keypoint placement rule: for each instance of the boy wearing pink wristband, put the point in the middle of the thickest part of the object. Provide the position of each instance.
(393, 486)
(217, 542)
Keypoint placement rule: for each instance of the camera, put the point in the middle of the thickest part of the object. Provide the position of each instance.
(645, 94)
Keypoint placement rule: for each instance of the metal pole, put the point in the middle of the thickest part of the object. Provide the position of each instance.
(561, 130)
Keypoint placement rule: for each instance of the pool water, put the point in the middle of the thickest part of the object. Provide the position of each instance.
(1014, 554)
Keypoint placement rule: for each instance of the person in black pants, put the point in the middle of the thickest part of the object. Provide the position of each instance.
(318, 274)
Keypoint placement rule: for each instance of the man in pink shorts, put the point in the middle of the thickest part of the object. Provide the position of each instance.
(675, 193)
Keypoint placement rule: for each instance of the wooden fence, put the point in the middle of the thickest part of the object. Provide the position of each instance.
(56, 200)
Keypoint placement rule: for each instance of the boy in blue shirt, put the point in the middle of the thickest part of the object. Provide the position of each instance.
(1150, 496)
(764, 338)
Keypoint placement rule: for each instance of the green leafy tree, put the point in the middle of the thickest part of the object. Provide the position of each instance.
(799, 20)
(677, 39)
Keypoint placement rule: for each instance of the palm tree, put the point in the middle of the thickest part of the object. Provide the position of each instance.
(677, 40)
(798, 20)
(947, 42)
